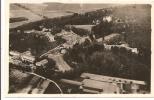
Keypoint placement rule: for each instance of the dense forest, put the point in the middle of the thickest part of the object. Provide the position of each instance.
(118, 62)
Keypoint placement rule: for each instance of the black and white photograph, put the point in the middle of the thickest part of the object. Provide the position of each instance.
(79, 48)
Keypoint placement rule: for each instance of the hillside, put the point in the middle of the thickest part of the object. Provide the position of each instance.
(139, 20)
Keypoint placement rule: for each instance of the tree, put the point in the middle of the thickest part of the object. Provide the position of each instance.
(102, 29)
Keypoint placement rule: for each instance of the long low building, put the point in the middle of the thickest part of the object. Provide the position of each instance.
(133, 50)
(25, 56)
(111, 79)
(93, 83)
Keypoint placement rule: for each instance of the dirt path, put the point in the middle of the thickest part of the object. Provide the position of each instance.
(62, 65)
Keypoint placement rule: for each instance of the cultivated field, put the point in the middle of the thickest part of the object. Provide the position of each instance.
(32, 14)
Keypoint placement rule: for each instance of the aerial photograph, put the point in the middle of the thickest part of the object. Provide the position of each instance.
(73, 48)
